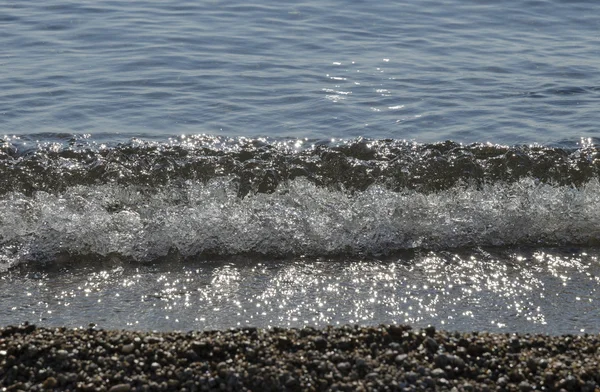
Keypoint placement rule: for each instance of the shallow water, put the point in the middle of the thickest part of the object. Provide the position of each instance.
(519, 290)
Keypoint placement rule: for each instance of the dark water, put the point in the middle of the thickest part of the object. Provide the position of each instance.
(214, 164)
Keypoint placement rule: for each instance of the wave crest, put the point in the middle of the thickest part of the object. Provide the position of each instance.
(298, 218)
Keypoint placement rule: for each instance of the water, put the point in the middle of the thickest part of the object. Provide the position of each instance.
(216, 164)
(519, 72)
(551, 291)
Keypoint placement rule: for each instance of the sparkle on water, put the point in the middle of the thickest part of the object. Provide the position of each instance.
(526, 291)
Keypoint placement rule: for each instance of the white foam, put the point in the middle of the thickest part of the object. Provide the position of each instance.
(299, 219)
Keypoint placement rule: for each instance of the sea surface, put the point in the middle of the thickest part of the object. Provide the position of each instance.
(207, 165)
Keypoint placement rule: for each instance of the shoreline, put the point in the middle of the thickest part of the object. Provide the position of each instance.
(385, 357)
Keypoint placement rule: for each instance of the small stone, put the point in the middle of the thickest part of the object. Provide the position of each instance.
(128, 348)
(62, 354)
(429, 383)
(396, 331)
(120, 388)
(524, 386)
(250, 330)
(200, 347)
(400, 358)
(155, 366)
(374, 348)
(532, 364)
(438, 373)
(589, 386)
(569, 383)
(152, 339)
(442, 360)
(411, 376)
(89, 387)
(456, 361)
(515, 376)
(283, 342)
(475, 349)
(344, 366)
(233, 381)
(320, 342)
(212, 382)
(292, 383)
(222, 370)
(431, 344)
(50, 382)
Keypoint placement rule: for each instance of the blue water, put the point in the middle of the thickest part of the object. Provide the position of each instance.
(199, 165)
(469, 71)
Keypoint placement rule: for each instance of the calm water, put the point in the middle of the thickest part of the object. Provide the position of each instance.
(216, 164)
(469, 71)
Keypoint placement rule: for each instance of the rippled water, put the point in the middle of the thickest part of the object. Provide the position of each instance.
(215, 164)
(469, 71)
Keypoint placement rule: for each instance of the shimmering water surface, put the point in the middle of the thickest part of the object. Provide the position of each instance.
(217, 164)
(522, 290)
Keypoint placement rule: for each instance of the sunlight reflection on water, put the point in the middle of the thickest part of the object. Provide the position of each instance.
(547, 291)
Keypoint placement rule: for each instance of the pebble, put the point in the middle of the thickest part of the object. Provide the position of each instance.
(345, 358)
(50, 382)
(120, 388)
(344, 366)
(431, 344)
(62, 354)
(128, 348)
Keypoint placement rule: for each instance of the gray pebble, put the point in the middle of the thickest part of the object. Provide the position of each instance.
(400, 358)
(128, 348)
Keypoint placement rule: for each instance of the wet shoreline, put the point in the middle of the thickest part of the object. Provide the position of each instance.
(385, 357)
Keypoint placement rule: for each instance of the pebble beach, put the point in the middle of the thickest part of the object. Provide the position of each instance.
(348, 358)
(244, 170)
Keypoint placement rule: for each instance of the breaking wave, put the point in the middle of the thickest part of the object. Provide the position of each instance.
(147, 201)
